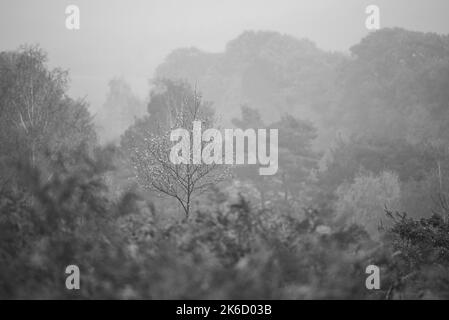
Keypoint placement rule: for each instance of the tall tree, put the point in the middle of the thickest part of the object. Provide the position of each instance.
(36, 115)
(297, 159)
(119, 111)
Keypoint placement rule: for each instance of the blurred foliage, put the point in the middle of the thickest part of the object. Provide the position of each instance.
(421, 256)
(118, 112)
(363, 201)
(124, 251)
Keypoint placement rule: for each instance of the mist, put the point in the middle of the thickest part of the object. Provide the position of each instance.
(224, 150)
(117, 39)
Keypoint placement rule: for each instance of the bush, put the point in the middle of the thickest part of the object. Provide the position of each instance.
(419, 265)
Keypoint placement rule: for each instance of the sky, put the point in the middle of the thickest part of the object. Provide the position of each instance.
(130, 38)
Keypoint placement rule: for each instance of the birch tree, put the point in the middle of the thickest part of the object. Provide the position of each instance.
(36, 115)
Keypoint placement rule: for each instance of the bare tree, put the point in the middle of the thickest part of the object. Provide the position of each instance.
(156, 172)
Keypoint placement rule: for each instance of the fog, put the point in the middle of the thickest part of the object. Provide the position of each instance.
(130, 40)
(224, 150)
